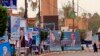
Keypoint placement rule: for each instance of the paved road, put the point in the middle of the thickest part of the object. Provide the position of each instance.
(72, 53)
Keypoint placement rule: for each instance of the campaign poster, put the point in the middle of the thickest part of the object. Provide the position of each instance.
(15, 27)
(23, 24)
(10, 4)
(71, 41)
(28, 37)
(36, 36)
(55, 44)
(36, 40)
(5, 49)
(4, 38)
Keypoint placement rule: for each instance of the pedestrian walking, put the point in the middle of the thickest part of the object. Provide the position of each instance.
(95, 47)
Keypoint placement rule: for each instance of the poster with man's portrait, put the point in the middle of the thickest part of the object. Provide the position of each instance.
(5, 49)
(28, 37)
(71, 41)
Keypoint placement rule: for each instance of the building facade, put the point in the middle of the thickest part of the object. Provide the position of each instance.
(49, 7)
(82, 23)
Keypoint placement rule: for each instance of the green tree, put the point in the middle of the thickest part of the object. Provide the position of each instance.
(3, 20)
(94, 23)
(33, 5)
(84, 15)
(22, 11)
(43, 35)
(82, 33)
(67, 9)
(89, 15)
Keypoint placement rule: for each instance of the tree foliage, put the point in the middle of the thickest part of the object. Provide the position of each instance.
(3, 20)
(43, 35)
(82, 33)
(67, 9)
(33, 5)
(94, 23)
(22, 11)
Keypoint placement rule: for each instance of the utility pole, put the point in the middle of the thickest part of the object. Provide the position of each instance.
(25, 14)
(77, 7)
(39, 13)
(73, 12)
(73, 5)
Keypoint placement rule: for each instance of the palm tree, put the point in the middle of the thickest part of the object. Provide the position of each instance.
(25, 14)
(22, 11)
(33, 5)
(67, 9)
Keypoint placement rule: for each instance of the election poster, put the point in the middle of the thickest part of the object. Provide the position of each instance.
(28, 37)
(55, 44)
(5, 49)
(36, 36)
(4, 38)
(72, 41)
(15, 27)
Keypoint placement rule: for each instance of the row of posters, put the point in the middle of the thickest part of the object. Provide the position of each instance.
(69, 42)
(28, 33)
(31, 35)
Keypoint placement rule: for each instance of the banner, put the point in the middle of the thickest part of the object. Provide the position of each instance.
(23, 24)
(5, 49)
(28, 37)
(36, 36)
(11, 4)
(71, 41)
(15, 27)
(55, 44)
(36, 40)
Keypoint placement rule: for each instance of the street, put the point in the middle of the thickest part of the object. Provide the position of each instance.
(72, 53)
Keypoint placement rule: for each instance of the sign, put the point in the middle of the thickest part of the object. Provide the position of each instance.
(71, 41)
(5, 49)
(23, 24)
(36, 40)
(36, 36)
(15, 27)
(36, 29)
(28, 37)
(5, 38)
(28, 33)
(11, 4)
(55, 44)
